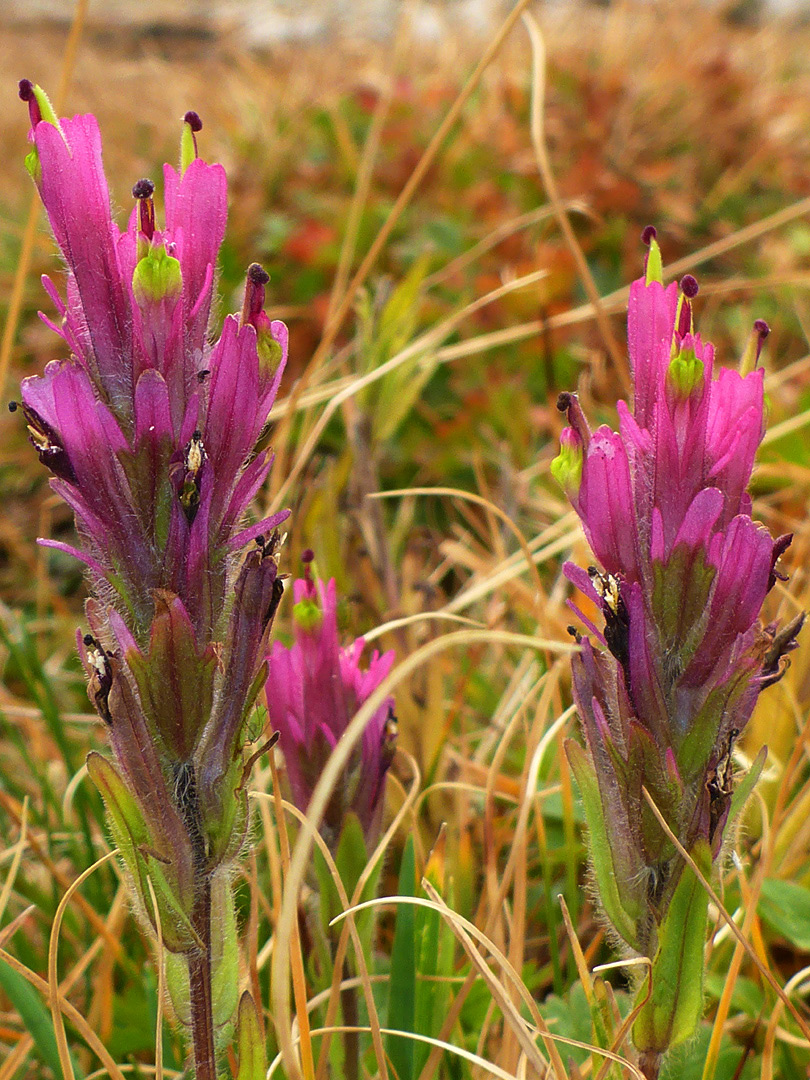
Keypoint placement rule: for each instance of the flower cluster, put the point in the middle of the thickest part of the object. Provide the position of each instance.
(314, 689)
(149, 432)
(665, 688)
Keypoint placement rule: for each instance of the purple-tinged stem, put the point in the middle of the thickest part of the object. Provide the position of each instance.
(650, 1064)
(199, 975)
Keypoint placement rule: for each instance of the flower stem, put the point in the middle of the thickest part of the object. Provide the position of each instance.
(650, 1064)
(199, 974)
(351, 1018)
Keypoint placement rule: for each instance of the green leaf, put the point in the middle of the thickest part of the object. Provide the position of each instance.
(599, 844)
(252, 1056)
(675, 1006)
(402, 993)
(34, 1015)
(744, 788)
(435, 950)
(224, 950)
(785, 907)
(351, 859)
(132, 838)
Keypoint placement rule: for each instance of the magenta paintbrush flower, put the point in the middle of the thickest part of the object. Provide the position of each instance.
(667, 685)
(149, 432)
(314, 689)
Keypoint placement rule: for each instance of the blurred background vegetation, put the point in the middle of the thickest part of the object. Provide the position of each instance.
(693, 117)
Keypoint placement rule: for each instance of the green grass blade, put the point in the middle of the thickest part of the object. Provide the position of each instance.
(34, 1015)
(402, 994)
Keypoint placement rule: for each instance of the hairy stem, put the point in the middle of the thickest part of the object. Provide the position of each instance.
(199, 974)
(650, 1064)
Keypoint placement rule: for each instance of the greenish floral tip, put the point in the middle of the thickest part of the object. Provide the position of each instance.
(685, 373)
(188, 140)
(566, 468)
(270, 352)
(307, 615)
(655, 264)
(32, 164)
(157, 277)
(46, 110)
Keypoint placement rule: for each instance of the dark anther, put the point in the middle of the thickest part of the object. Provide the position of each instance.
(143, 189)
(308, 556)
(259, 541)
(270, 546)
(101, 677)
(782, 641)
(275, 600)
(780, 546)
(189, 476)
(617, 619)
(46, 442)
(28, 94)
(203, 375)
(193, 120)
(13, 406)
(762, 328)
(389, 740)
(564, 401)
(257, 275)
(649, 234)
(689, 286)
(720, 785)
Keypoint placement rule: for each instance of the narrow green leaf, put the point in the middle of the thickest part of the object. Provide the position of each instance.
(601, 855)
(785, 907)
(675, 1006)
(402, 993)
(34, 1015)
(252, 1057)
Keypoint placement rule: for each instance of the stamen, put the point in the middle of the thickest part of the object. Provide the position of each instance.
(193, 460)
(253, 304)
(753, 348)
(143, 191)
(26, 92)
(188, 140)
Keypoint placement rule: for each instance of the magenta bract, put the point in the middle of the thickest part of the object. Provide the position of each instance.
(314, 688)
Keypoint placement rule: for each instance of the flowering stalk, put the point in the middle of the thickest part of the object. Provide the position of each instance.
(149, 432)
(314, 689)
(667, 685)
